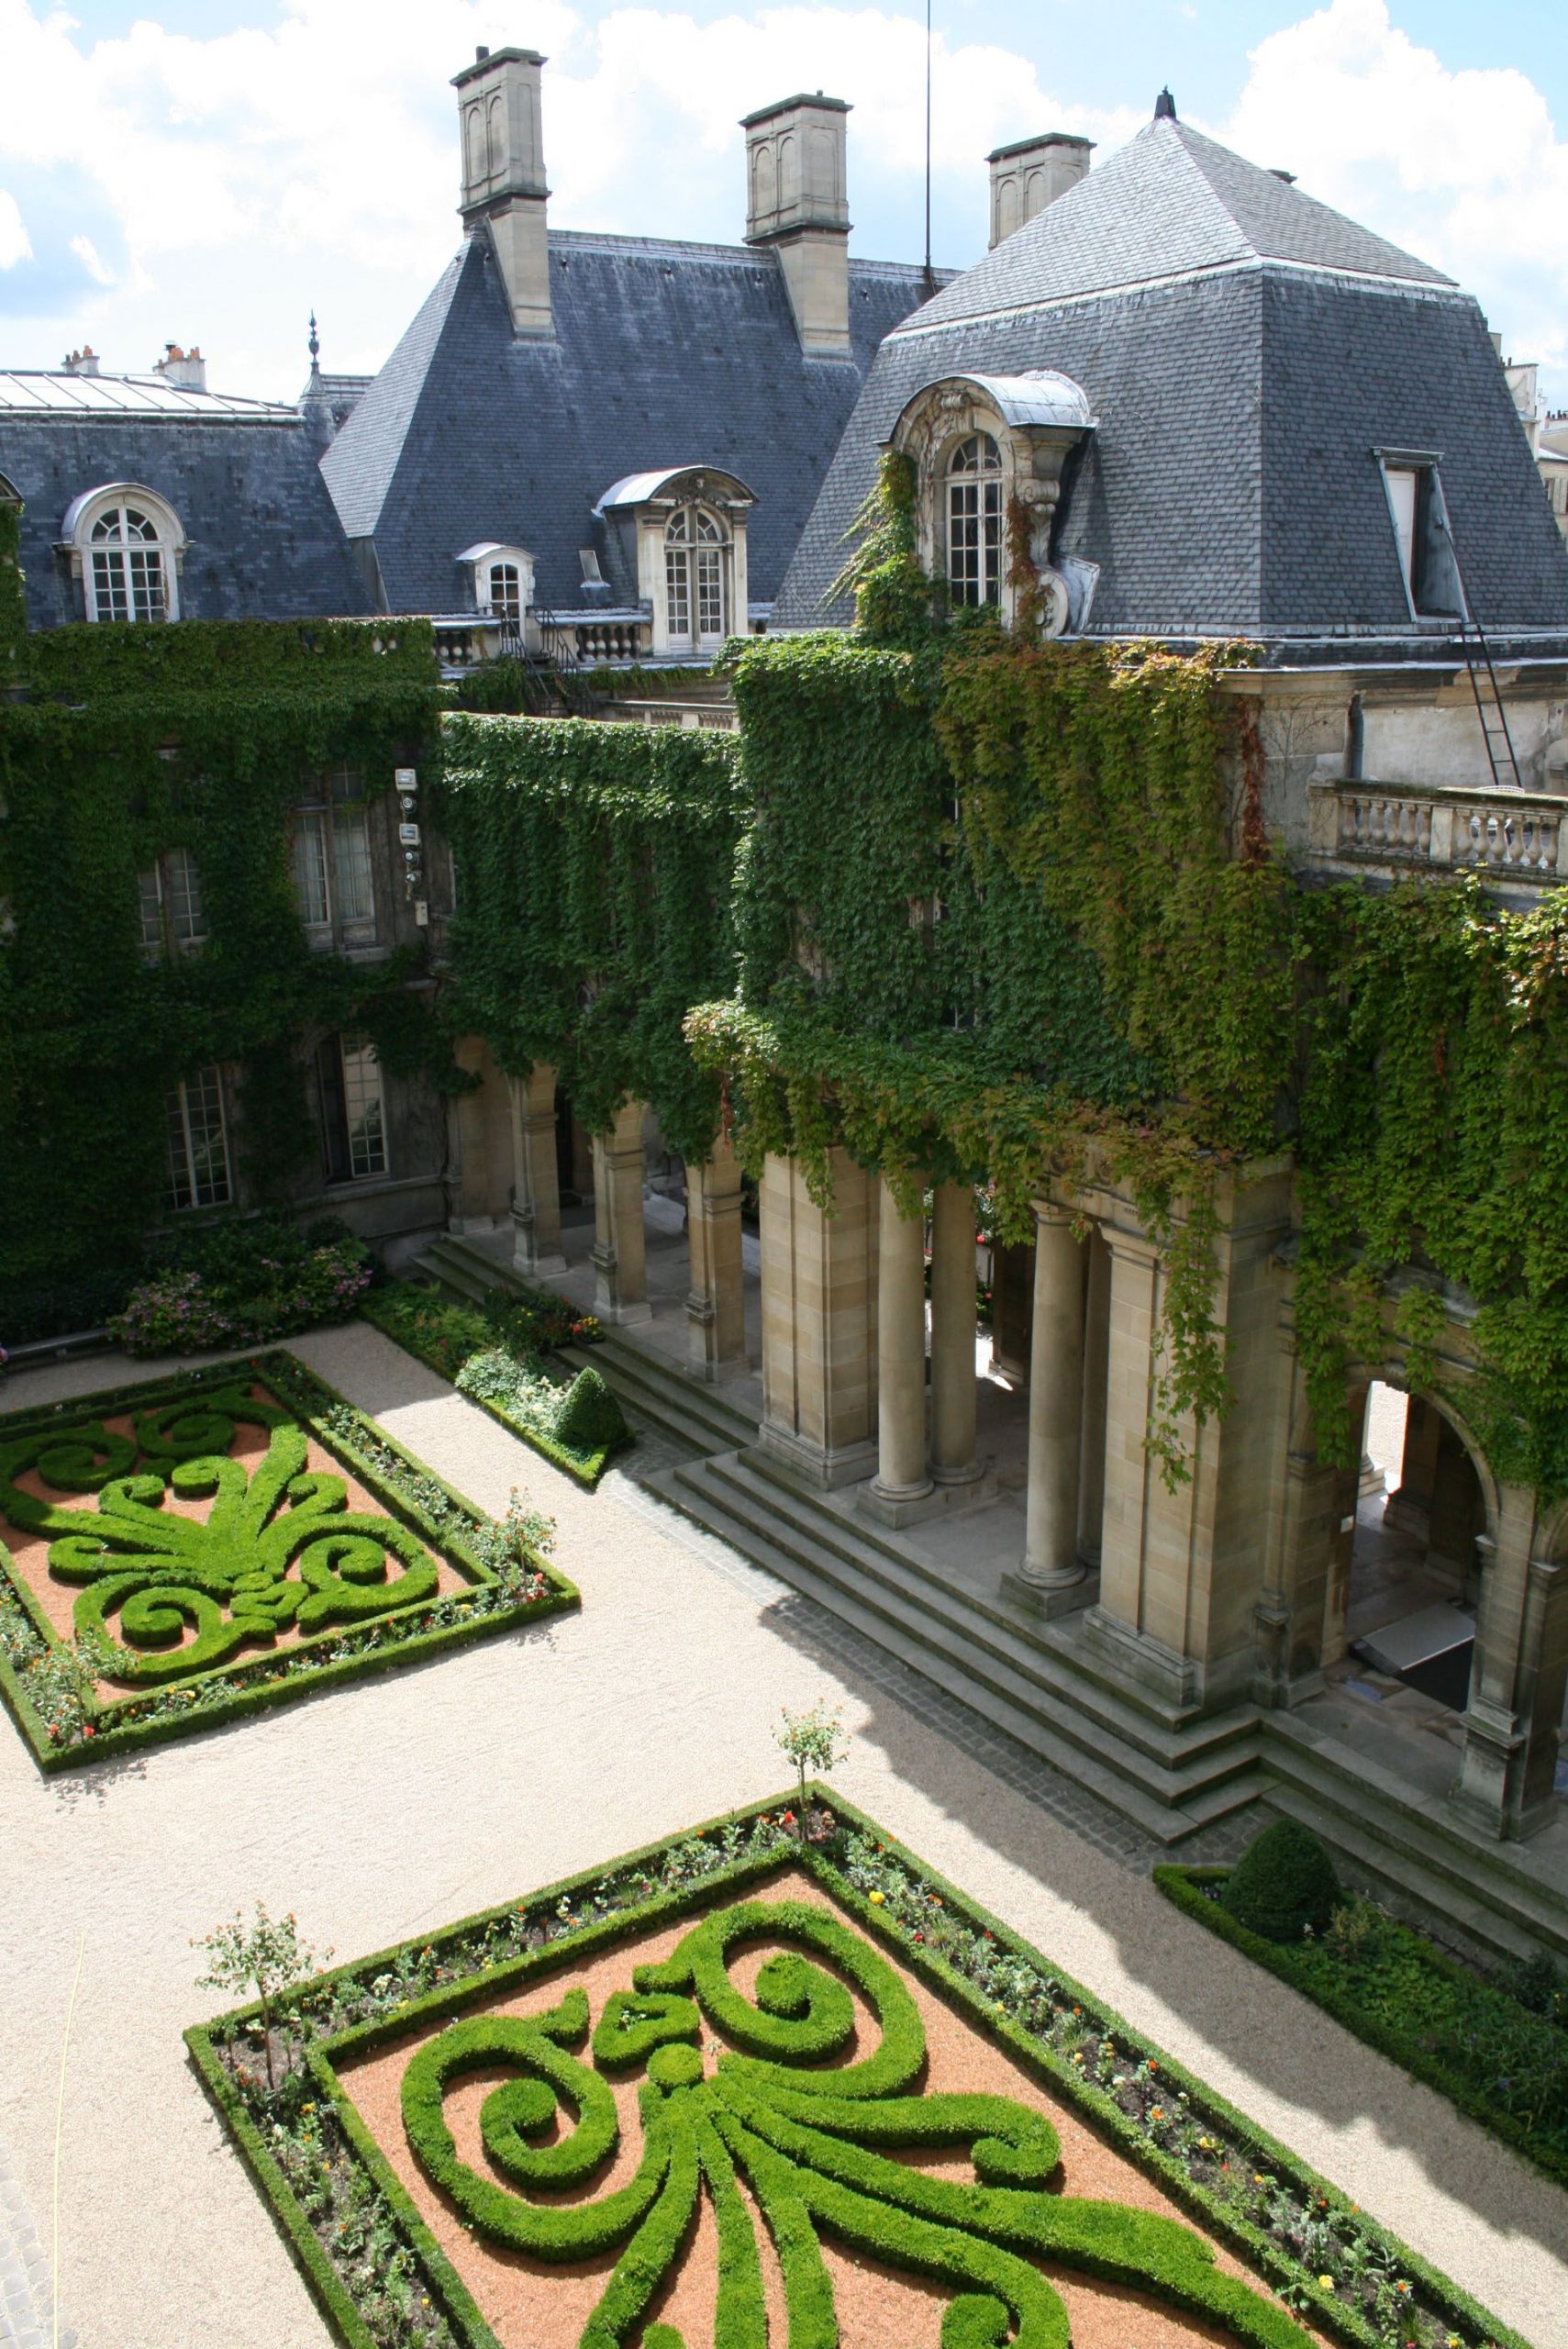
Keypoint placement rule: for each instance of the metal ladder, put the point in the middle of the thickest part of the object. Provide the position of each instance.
(1500, 753)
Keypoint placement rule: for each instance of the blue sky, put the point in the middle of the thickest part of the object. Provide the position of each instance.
(206, 171)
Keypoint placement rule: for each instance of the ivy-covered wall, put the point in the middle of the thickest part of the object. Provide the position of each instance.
(595, 867)
(116, 744)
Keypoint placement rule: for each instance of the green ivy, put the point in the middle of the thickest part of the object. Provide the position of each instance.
(126, 742)
(593, 907)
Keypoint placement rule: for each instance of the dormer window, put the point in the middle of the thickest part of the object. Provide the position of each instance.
(502, 579)
(694, 580)
(125, 544)
(974, 521)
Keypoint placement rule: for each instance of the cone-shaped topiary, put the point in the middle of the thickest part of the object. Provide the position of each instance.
(1283, 1882)
(590, 1419)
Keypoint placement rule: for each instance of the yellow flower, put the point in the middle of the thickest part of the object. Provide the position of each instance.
(1326, 2282)
(877, 1898)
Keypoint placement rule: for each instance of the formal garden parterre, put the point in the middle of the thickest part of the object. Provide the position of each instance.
(777, 2077)
(176, 1552)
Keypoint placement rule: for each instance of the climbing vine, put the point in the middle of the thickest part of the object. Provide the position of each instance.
(594, 867)
(126, 742)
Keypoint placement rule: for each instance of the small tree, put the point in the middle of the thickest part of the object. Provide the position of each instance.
(812, 1741)
(267, 1958)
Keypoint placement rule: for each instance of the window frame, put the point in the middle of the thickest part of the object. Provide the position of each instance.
(339, 810)
(352, 1082)
(1428, 570)
(697, 575)
(986, 483)
(177, 1103)
(159, 901)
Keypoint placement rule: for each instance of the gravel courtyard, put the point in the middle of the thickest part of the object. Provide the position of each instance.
(407, 1801)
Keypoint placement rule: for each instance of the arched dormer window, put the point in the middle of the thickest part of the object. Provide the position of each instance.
(126, 544)
(695, 547)
(974, 521)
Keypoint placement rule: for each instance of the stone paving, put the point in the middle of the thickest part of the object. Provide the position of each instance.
(416, 1798)
(27, 2301)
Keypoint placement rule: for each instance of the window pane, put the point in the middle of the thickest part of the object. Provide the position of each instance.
(506, 591)
(145, 566)
(108, 587)
(362, 1110)
(183, 884)
(198, 1147)
(710, 594)
(310, 870)
(351, 864)
(151, 897)
(678, 591)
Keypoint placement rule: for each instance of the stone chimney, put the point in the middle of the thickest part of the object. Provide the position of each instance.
(81, 362)
(795, 203)
(186, 368)
(1031, 174)
(503, 174)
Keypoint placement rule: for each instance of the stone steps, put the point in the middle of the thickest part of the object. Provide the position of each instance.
(994, 1658)
(1425, 1859)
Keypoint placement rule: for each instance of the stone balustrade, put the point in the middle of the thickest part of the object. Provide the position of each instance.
(1507, 836)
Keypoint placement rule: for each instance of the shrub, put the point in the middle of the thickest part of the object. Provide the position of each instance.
(243, 1283)
(590, 1419)
(1284, 1885)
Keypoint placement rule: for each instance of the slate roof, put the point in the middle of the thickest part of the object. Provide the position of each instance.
(262, 540)
(663, 354)
(1244, 349)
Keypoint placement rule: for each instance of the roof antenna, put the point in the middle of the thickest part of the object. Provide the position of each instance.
(931, 274)
(1164, 107)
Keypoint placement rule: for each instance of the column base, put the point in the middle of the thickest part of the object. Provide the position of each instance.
(539, 1267)
(1066, 1596)
(467, 1226)
(895, 1510)
(955, 1479)
(817, 1467)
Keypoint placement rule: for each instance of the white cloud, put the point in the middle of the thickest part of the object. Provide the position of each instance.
(214, 189)
(1464, 168)
(92, 261)
(15, 243)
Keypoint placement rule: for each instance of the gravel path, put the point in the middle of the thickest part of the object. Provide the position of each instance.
(406, 1803)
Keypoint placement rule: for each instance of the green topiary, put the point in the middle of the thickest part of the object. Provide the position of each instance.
(1284, 1885)
(590, 1419)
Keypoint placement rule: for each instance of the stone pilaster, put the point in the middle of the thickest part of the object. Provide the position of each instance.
(1096, 1371)
(620, 1259)
(1513, 1721)
(716, 1311)
(819, 1322)
(479, 1185)
(535, 1190)
(953, 1324)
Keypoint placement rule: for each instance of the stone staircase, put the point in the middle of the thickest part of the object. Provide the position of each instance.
(1059, 1699)
(1507, 1898)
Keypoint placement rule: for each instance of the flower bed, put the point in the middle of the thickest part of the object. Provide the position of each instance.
(1498, 2048)
(417, 2092)
(494, 1355)
(201, 1518)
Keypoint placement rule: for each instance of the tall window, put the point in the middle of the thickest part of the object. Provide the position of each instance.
(694, 578)
(1419, 514)
(507, 593)
(974, 521)
(198, 1143)
(333, 882)
(353, 1116)
(129, 578)
(173, 914)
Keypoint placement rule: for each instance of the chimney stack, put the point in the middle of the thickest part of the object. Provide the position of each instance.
(186, 368)
(1031, 174)
(82, 362)
(503, 174)
(795, 201)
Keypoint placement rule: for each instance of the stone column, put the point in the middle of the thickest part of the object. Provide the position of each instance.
(621, 1262)
(901, 1478)
(535, 1190)
(819, 1339)
(1056, 1406)
(715, 1313)
(1096, 1368)
(1513, 1721)
(953, 1325)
